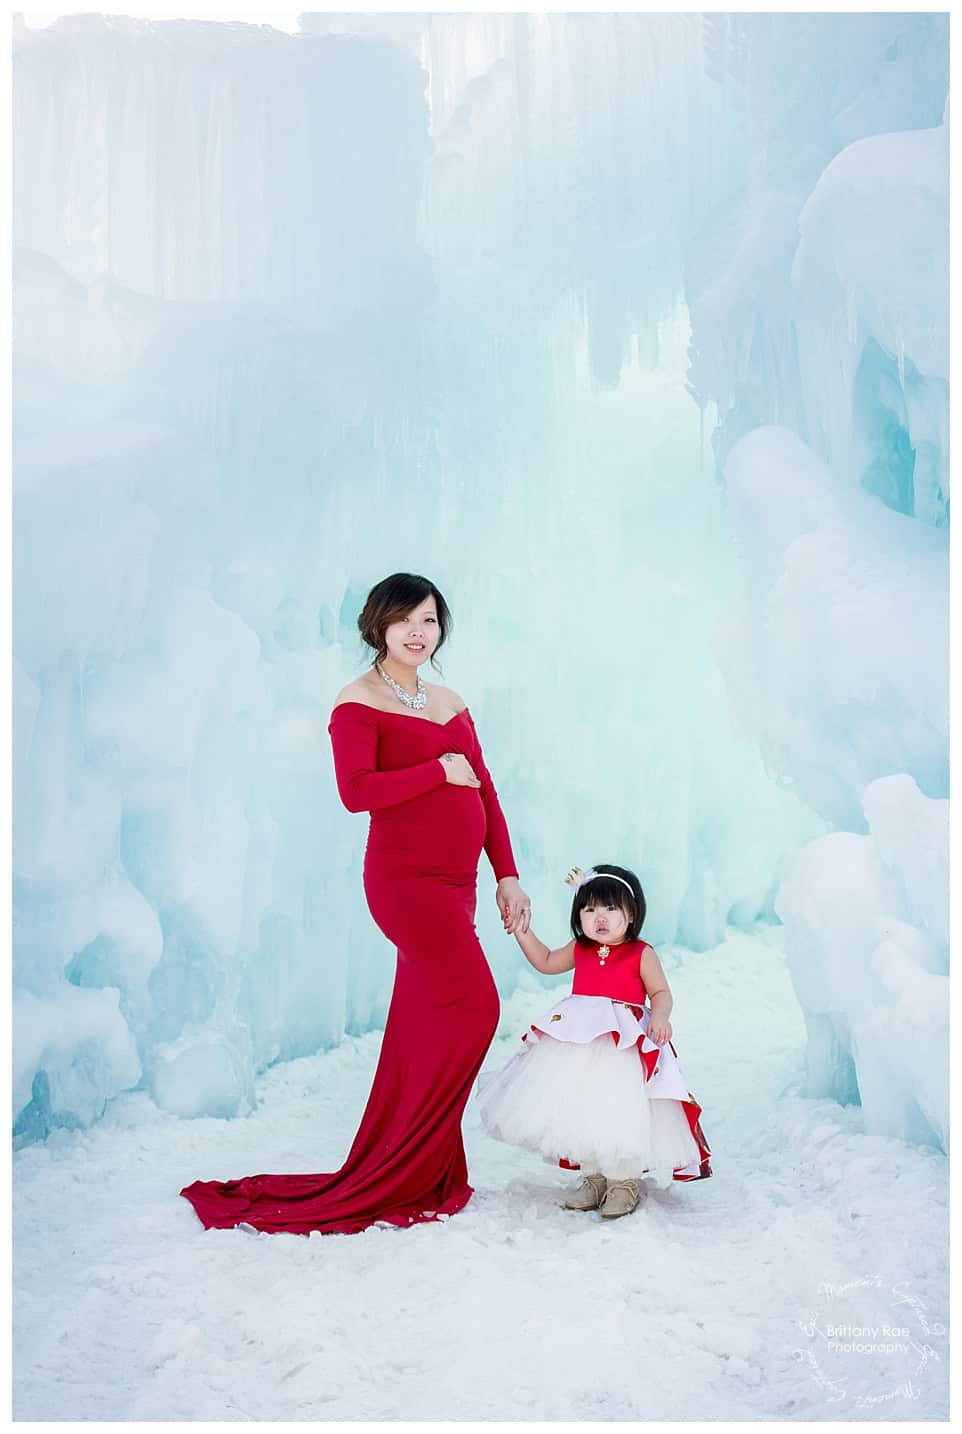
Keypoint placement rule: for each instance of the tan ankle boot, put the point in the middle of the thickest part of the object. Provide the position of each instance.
(588, 1195)
(621, 1198)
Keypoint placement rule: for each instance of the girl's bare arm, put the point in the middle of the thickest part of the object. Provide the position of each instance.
(655, 984)
(541, 957)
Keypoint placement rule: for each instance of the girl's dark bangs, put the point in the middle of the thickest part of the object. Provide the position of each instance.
(606, 889)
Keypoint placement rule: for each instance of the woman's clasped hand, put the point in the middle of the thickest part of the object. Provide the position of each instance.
(514, 905)
(458, 770)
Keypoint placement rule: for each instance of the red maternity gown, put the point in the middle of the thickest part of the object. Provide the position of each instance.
(420, 874)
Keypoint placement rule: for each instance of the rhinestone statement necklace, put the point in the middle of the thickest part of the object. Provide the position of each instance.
(416, 702)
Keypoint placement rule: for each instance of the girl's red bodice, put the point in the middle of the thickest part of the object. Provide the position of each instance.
(620, 976)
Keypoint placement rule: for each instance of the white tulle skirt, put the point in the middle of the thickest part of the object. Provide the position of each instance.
(584, 1096)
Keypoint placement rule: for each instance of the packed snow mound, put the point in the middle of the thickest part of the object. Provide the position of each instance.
(73, 1053)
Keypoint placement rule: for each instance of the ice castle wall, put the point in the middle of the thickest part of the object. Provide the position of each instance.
(822, 302)
(292, 312)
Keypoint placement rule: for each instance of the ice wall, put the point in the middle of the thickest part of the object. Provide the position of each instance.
(824, 299)
(867, 936)
(292, 312)
(836, 651)
(817, 291)
(216, 275)
(836, 654)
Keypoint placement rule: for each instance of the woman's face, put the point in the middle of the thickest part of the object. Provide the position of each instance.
(412, 640)
(604, 923)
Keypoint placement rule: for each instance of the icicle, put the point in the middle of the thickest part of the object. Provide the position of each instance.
(851, 314)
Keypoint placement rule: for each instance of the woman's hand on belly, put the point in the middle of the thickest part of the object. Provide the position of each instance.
(458, 770)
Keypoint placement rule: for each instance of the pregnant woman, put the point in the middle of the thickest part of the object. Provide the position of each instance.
(409, 754)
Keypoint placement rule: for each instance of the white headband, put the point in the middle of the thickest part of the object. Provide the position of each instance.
(578, 878)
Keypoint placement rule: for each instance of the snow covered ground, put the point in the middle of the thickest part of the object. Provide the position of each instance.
(720, 1299)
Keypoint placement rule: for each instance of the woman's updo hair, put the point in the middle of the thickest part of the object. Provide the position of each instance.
(601, 890)
(392, 599)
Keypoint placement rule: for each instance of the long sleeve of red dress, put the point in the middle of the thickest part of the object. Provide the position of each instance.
(497, 842)
(362, 736)
(361, 787)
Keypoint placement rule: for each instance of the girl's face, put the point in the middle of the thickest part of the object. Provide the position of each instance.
(604, 923)
(412, 639)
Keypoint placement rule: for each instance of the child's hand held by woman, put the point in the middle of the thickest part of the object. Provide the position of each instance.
(514, 905)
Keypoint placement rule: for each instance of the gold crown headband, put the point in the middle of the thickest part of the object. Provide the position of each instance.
(577, 878)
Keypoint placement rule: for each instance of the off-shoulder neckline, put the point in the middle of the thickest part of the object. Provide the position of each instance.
(368, 707)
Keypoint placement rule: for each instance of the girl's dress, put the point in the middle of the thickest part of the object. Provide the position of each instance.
(590, 1089)
(407, 1161)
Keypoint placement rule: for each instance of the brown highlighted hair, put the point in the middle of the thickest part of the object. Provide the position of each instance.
(601, 890)
(392, 599)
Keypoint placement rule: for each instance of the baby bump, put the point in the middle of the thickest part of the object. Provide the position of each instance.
(439, 833)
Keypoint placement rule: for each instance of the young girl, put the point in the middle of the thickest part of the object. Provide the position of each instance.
(597, 1084)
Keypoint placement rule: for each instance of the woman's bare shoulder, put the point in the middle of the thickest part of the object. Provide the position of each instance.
(452, 697)
(357, 691)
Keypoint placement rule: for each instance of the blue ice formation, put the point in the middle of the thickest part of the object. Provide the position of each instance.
(835, 457)
(836, 654)
(867, 936)
(628, 329)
